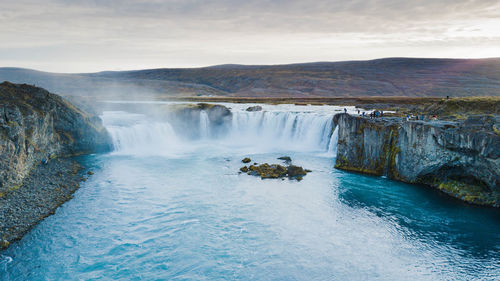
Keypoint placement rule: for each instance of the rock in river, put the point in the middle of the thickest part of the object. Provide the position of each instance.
(246, 160)
(254, 108)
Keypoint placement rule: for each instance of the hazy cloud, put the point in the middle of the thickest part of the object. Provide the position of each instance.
(78, 35)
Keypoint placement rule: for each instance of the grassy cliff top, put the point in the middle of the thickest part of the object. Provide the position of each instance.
(29, 98)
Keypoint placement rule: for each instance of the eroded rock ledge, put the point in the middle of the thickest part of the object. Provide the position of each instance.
(39, 127)
(460, 158)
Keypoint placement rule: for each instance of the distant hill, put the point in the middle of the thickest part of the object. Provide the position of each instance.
(410, 77)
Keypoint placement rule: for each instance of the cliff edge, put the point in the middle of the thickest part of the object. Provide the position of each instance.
(460, 158)
(38, 132)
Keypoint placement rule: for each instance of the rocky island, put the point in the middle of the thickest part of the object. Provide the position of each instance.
(274, 171)
(39, 133)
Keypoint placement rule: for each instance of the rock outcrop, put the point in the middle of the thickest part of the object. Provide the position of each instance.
(274, 171)
(36, 125)
(461, 158)
(186, 115)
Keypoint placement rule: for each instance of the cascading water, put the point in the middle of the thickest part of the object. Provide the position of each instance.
(282, 130)
(334, 139)
(135, 134)
(204, 125)
(267, 130)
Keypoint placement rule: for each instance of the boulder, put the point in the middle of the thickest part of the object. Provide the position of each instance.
(254, 108)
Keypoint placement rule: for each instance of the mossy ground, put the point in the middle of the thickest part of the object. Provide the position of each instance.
(467, 192)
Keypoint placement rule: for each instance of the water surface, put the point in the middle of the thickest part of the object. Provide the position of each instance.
(164, 206)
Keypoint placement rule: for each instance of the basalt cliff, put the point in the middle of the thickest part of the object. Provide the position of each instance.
(39, 127)
(35, 124)
(460, 158)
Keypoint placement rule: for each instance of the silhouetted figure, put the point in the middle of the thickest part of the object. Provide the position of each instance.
(345, 110)
(381, 113)
(447, 97)
(363, 114)
(358, 111)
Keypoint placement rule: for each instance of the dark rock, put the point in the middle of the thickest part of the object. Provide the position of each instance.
(244, 169)
(254, 108)
(296, 171)
(4, 244)
(37, 126)
(246, 160)
(460, 158)
(90, 173)
(285, 158)
(266, 171)
(44, 189)
(182, 116)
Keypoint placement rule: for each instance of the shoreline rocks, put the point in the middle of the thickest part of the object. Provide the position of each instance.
(43, 190)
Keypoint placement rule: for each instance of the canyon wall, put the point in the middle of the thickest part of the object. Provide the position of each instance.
(36, 125)
(461, 158)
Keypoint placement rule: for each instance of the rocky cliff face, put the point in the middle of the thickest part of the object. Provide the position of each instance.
(459, 158)
(35, 125)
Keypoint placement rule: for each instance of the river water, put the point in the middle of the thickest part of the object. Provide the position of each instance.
(170, 204)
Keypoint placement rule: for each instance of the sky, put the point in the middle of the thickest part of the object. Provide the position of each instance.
(92, 35)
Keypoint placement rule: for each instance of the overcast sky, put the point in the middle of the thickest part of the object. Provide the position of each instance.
(95, 35)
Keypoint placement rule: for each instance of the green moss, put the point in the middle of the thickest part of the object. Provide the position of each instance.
(357, 169)
(12, 188)
(496, 130)
(467, 192)
(12, 123)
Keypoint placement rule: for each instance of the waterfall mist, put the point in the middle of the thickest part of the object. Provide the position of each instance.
(274, 129)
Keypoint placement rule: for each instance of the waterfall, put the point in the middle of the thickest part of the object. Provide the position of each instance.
(266, 131)
(294, 130)
(133, 134)
(334, 139)
(204, 125)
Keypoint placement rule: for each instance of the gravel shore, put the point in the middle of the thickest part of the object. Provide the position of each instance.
(43, 190)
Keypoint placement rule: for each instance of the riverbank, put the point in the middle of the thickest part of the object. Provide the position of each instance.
(43, 190)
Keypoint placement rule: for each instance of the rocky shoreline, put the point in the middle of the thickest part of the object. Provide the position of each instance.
(44, 189)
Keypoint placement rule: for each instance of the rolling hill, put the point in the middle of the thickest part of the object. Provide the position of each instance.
(411, 77)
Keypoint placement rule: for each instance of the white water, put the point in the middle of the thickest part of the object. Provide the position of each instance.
(275, 128)
(334, 139)
(204, 124)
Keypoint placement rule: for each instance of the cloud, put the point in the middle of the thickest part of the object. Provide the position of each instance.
(82, 35)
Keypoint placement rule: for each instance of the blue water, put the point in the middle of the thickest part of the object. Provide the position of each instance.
(192, 216)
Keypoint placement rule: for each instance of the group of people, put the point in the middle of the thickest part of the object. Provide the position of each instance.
(376, 114)
(373, 114)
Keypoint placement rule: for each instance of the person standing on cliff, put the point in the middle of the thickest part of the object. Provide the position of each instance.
(345, 110)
